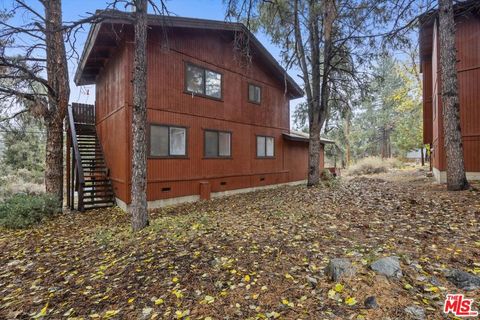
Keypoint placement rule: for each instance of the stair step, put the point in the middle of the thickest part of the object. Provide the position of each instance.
(98, 193)
(99, 197)
(98, 190)
(92, 147)
(99, 206)
(104, 179)
(89, 202)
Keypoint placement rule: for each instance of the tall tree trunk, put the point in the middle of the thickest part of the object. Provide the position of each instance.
(314, 153)
(320, 83)
(139, 120)
(422, 156)
(346, 133)
(456, 178)
(57, 73)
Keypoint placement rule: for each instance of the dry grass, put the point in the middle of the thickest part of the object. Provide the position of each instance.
(373, 165)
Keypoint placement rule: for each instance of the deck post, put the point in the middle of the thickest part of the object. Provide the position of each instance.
(67, 173)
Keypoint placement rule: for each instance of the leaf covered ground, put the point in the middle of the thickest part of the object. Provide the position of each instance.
(259, 255)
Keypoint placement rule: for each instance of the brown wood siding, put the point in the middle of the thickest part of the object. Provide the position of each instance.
(111, 116)
(468, 67)
(168, 104)
(427, 101)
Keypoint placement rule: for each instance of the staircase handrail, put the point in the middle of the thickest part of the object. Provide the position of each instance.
(78, 157)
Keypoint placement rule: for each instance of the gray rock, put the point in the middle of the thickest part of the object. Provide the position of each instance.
(338, 268)
(415, 312)
(371, 303)
(463, 280)
(388, 266)
(312, 281)
(435, 281)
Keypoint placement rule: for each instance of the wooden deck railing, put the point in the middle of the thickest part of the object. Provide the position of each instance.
(83, 113)
(78, 179)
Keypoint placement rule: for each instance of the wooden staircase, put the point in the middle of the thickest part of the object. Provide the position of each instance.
(88, 182)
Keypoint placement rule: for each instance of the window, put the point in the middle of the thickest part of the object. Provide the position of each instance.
(203, 81)
(217, 144)
(167, 141)
(265, 147)
(254, 93)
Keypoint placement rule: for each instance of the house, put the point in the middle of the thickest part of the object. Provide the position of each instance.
(218, 119)
(467, 19)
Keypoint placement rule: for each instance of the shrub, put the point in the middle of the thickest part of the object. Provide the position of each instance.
(20, 181)
(326, 175)
(369, 165)
(22, 210)
(394, 163)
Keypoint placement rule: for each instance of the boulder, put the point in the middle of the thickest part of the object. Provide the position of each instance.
(388, 266)
(463, 280)
(312, 281)
(338, 268)
(370, 303)
(415, 312)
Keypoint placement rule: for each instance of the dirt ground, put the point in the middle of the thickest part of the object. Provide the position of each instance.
(253, 256)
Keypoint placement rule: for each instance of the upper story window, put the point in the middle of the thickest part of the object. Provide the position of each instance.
(254, 93)
(218, 144)
(202, 81)
(265, 147)
(167, 141)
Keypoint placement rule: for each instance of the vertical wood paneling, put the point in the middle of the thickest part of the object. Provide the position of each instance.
(468, 67)
(110, 114)
(168, 104)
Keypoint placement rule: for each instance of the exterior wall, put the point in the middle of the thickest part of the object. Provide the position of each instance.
(169, 104)
(427, 101)
(468, 67)
(112, 119)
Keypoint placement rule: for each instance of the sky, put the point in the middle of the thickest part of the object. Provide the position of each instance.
(75, 9)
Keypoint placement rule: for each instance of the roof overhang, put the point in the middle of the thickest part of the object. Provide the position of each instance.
(103, 39)
(303, 137)
(427, 21)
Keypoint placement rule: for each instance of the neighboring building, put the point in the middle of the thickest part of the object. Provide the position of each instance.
(467, 19)
(216, 123)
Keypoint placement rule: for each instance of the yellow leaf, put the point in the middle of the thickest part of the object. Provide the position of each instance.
(350, 301)
(159, 301)
(42, 312)
(209, 299)
(175, 280)
(131, 300)
(407, 286)
(431, 289)
(111, 313)
(288, 276)
(338, 287)
(247, 278)
(331, 294)
(177, 293)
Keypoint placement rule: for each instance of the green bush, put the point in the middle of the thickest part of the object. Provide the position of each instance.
(326, 175)
(22, 210)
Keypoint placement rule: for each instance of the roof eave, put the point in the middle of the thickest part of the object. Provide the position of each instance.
(294, 90)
